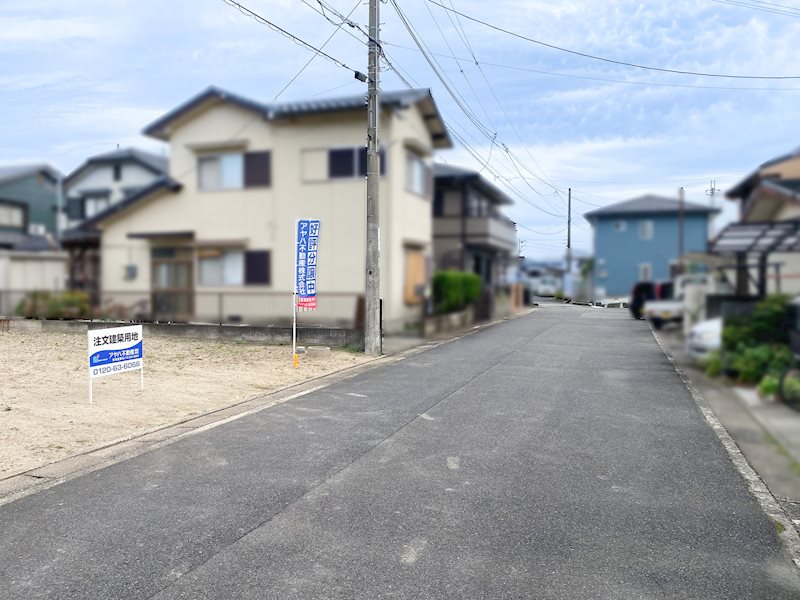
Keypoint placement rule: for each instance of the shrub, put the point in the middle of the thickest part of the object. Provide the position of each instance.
(767, 325)
(454, 290)
(770, 385)
(752, 363)
(713, 364)
(61, 305)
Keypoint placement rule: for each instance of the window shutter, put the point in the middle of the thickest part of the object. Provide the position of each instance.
(362, 162)
(341, 163)
(256, 267)
(428, 181)
(257, 169)
(75, 208)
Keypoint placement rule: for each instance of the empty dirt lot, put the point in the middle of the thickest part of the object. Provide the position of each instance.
(45, 414)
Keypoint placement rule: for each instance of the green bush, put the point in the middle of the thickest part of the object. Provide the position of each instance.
(766, 325)
(752, 363)
(713, 364)
(770, 385)
(454, 290)
(61, 305)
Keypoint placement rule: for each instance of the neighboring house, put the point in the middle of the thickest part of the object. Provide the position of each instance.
(32, 266)
(470, 232)
(638, 240)
(100, 182)
(28, 201)
(214, 240)
(772, 193)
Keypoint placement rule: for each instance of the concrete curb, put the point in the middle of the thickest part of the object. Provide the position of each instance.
(784, 529)
(30, 481)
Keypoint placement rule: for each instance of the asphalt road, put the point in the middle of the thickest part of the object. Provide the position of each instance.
(557, 455)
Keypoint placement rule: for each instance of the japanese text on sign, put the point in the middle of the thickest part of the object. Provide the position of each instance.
(307, 248)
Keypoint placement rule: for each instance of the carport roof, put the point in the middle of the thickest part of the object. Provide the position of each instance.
(757, 238)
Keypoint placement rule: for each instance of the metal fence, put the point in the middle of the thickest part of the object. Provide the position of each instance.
(231, 307)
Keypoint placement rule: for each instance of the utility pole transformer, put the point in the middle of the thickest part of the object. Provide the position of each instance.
(372, 325)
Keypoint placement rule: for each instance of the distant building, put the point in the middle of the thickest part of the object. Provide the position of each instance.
(470, 232)
(638, 240)
(213, 240)
(771, 193)
(28, 202)
(100, 182)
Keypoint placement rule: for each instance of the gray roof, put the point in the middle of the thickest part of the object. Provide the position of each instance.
(36, 243)
(284, 110)
(443, 172)
(79, 232)
(779, 159)
(11, 172)
(649, 204)
(158, 165)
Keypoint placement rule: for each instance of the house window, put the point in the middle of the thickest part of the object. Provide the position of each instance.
(117, 169)
(619, 226)
(218, 267)
(477, 205)
(418, 175)
(12, 216)
(645, 272)
(234, 170)
(257, 267)
(351, 162)
(646, 230)
(94, 205)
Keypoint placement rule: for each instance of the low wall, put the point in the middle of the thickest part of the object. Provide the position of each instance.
(455, 321)
(316, 336)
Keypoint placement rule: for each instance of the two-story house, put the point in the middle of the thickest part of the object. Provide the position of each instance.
(28, 202)
(772, 193)
(639, 240)
(213, 241)
(470, 232)
(100, 182)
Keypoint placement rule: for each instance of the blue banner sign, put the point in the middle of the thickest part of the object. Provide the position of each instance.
(306, 255)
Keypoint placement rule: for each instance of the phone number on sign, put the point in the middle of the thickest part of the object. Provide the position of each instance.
(125, 366)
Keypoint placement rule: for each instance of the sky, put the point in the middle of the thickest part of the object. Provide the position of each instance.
(79, 78)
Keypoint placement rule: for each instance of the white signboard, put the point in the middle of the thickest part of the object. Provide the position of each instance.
(115, 350)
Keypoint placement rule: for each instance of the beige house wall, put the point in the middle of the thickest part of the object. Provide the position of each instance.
(264, 218)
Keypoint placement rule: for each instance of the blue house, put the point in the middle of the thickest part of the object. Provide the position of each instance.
(639, 239)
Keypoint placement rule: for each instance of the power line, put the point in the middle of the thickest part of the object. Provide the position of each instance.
(461, 103)
(609, 60)
(608, 79)
(267, 23)
(313, 56)
(791, 12)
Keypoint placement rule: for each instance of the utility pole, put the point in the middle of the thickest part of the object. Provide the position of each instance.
(712, 192)
(372, 324)
(568, 273)
(680, 230)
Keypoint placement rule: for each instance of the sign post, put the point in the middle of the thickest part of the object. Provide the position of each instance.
(305, 272)
(115, 350)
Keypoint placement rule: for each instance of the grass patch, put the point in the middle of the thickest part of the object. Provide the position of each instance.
(779, 528)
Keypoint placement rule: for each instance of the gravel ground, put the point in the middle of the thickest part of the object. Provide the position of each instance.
(45, 414)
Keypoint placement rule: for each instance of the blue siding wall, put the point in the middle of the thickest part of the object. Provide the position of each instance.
(38, 193)
(618, 254)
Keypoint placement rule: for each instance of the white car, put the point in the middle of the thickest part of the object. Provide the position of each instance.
(704, 337)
